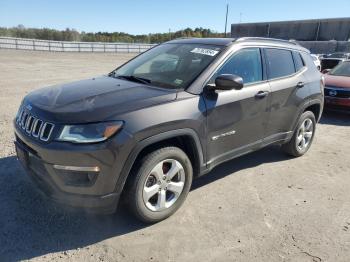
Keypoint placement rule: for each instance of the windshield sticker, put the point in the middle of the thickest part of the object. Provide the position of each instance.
(204, 51)
(178, 81)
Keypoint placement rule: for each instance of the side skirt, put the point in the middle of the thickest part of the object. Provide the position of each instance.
(279, 138)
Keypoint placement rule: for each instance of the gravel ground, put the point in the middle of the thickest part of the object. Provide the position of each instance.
(260, 207)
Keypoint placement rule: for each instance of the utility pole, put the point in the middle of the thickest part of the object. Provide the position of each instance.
(169, 34)
(226, 20)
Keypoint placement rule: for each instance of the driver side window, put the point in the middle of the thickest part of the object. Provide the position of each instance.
(245, 63)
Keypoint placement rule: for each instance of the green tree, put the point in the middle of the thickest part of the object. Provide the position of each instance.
(73, 35)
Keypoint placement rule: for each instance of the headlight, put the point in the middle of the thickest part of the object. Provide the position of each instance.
(90, 133)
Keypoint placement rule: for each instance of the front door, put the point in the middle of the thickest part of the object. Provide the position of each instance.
(236, 119)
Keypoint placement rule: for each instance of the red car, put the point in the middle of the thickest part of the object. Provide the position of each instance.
(337, 87)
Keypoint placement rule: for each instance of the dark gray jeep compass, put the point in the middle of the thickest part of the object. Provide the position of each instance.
(169, 115)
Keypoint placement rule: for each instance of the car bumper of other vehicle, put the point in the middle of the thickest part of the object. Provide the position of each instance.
(337, 98)
(82, 176)
(335, 103)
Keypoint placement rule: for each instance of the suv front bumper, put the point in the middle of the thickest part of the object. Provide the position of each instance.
(95, 191)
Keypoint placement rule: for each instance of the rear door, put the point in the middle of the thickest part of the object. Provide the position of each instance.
(285, 72)
(236, 119)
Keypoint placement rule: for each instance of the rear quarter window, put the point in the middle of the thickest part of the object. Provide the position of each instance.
(298, 61)
(279, 63)
(309, 63)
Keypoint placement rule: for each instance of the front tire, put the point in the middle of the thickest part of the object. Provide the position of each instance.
(303, 135)
(160, 184)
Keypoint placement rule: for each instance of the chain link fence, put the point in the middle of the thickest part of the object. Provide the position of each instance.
(65, 46)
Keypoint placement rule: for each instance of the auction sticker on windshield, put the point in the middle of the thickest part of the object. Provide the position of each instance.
(204, 51)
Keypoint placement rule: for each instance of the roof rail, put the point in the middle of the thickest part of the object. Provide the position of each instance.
(268, 39)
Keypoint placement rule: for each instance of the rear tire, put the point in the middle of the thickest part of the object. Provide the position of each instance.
(159, 184)
(303, 135)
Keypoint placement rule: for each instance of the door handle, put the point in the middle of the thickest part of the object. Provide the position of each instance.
(300, 85)
(261, 94)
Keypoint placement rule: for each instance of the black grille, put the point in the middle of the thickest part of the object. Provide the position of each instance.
(34, 126)
(337, 92)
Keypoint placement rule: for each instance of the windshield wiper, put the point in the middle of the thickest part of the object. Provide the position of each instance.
(134, 79)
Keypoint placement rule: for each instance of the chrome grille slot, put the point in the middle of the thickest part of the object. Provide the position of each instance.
(34, 126)
(29, 124)
(24, 120)
(37, 127)
(20, 114)
(46, 131)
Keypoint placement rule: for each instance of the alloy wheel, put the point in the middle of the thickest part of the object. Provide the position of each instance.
(164, 185)
(305, 133)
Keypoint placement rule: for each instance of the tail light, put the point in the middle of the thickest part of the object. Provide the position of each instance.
(323, 81)
(323, 84)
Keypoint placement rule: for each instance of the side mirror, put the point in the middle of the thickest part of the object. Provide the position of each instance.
(325, 71)
(228, 82)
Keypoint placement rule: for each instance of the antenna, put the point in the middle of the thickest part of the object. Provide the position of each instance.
(226, 20)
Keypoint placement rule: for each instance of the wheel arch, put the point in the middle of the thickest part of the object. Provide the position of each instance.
(315, 107)
(186, 139)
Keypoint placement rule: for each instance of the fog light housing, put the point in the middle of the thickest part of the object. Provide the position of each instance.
(77, 176)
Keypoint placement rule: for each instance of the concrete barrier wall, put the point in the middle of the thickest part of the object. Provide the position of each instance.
(326, 47)
(304, 30)
(64, 46)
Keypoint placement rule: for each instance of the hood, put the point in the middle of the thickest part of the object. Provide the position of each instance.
(94, 100)
(337, 81)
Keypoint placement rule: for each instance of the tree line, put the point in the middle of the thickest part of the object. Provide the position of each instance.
(73, 35)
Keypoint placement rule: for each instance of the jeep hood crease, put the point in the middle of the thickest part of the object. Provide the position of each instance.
(97, 99)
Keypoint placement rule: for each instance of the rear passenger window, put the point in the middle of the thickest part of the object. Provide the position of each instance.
(245, 63)
(298, 61)
(279, 63)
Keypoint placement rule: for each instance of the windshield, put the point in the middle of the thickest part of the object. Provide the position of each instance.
(169, 65)
(342, 69)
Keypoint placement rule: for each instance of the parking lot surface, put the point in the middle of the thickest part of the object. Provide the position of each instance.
(264, 206)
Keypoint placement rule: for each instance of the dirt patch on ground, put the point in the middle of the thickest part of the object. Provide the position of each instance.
(261, 207)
